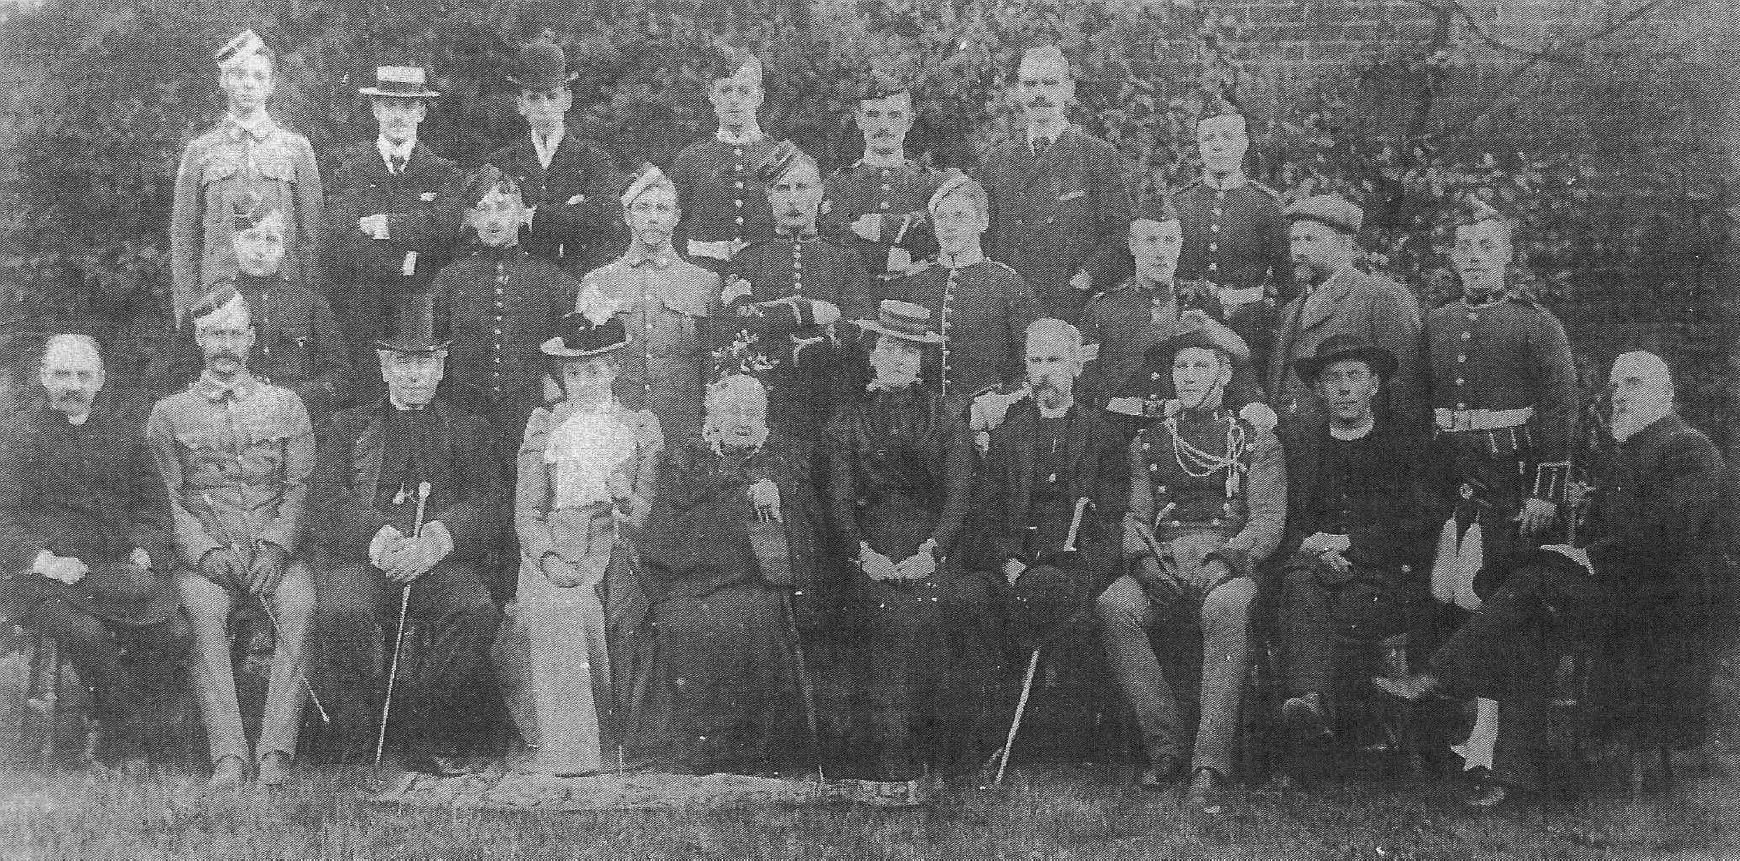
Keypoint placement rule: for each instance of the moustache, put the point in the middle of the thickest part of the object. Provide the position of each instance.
(227, 354)
(881, 134)
(71, 395)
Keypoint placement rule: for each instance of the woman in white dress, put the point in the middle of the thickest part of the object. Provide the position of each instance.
(586, 471)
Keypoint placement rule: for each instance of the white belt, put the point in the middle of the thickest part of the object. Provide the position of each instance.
(1481, 420)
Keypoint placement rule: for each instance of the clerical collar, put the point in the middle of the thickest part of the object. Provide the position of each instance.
(404, 408)
(258, 127)
(963, 259)
(1234, 180)
(390, 150)
(750, 135)
(891, 160)
(78, 420)
(1050, 132)
(1354, 433)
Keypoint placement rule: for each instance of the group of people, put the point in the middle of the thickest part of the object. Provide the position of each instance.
(662, 462)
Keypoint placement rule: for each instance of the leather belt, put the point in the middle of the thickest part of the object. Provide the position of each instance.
(1481, 420)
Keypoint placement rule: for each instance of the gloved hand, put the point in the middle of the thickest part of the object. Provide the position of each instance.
(267, 570)
(65, 569)
(223, 567)
(876, 566)
(919, 565)
(388, 540)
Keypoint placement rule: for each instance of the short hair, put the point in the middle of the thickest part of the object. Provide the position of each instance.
(1053, 327)
(70, 338)
(732, 384)
(1478, 212)
(486, 179)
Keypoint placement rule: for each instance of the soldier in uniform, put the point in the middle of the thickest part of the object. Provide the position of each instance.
(366, 487)
(569, 186)
(900, 492)
(390, 232)
(877, 204)
(664, 301)
(89, 548)
(1060, 198)
(788, 291)
(1235, 236)
(719, 186)
(248, 151)
(1208, 497)
(235, 454)
(1337, 299)
(984, 306)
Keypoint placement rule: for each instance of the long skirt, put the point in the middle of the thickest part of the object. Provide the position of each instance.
(555, 674)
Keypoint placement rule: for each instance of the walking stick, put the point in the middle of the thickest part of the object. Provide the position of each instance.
(1020, 709)
(399, 638)
(806, 688)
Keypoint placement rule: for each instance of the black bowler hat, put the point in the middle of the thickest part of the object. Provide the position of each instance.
(577, 337)
(413, 330)
(1345, 347)
(541, 65)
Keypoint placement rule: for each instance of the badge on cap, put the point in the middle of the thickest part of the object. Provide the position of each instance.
(245, 44)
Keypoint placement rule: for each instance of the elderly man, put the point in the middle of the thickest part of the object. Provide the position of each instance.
(1643, 593)
(900, 490)
(664, 300)
(88, 539)
(248, 151)
(1235, 235)
(1335, 299)
(983, 306)
(372, 466)
(788, 291)
(1208, 494)
(389, 231)
(718, 180)
(569, 186)
(877, 204)
(1355, 550)
(235, 454)
(1060, 198)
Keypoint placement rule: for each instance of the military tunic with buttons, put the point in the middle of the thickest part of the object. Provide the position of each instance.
(1235, 235)
(722, 200)
(665, 302)
(1122, 324)
(578, 224)
(900, 194)
(217, 169)
(983, 308)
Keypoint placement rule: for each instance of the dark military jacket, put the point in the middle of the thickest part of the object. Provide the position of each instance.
(1237, 238)
(722, 199)
(497, 306)
(578, 224)
(89, 491)
(1121, 325)
(982, 310)
(1097, 469)
(1379, 502)
(900, 195)
(901, 473)
(1064, 211)
(361, 466)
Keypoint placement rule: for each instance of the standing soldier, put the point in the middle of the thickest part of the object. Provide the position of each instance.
(1060, 198)
(1235, 235)
(718, 184)
(663, 300)
(389, 233)
(569, 186)
(877, 204)
(236, 454)
(984, 306)
(248, 151)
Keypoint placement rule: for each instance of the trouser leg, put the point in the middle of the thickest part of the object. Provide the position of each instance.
(1311, 641)
(346, 625)
(293, 607)
(87, 642)
(153, 659)
(214, 680)
(460, 620)
(1125, 613)
(1226, 629)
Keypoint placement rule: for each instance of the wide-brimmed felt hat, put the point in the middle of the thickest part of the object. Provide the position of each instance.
(541, 65)
(399, 82)
(1207, 338)
(779, 161)
(413, 331)
(1344, 347)
(577, 337)
(250, 208)
(904, 320)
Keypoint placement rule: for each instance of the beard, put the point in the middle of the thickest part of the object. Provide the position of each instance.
(1623, 425)
(1051, 393)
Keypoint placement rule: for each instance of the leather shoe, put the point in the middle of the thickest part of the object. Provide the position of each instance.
(1162, 772)
(1410, 688)
(228, 772)
(1491, 795)
(1205, 792)
(274, 768)
(1304, 713)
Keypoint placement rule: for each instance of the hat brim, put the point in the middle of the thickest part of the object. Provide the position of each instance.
(1381, 361)
(914, 337)
(546, 84)
(377, 92)
(399, 347)
(555, 349)
(1167, 350)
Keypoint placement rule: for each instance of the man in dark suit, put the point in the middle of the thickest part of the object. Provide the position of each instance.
(1061, 199)
(570, 186)
(87, 546)
(367, 481)
(1335, 298)
(390, 229)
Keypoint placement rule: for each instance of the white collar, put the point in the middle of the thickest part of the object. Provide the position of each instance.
(77, 420)
(389, 150)
(1051, 132)
(750, 135)
(1234, 180)
(546, 147)
(963, 260)
(404, 408)
(1349, 435)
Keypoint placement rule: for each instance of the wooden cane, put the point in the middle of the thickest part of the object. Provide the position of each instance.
(1020, 709)
(399, 637)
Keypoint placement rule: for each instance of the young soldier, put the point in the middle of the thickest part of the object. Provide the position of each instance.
(569, 186)
(1060, 198)
(718, 181)
(877, 205)
(89, 548)
(390, 233)
(248, 151)
(235, 454)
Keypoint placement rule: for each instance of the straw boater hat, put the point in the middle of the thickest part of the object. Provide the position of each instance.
(1344, 347)
(903, 320)
(399, 82)
(541, 65)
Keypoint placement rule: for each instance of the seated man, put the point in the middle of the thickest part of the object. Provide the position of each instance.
(1356, 526)
(372, 464)
(1643, 592)
(235, 454)
(86, 533)
(1208, 493)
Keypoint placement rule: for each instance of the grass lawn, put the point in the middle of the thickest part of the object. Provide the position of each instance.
(1053, 812)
